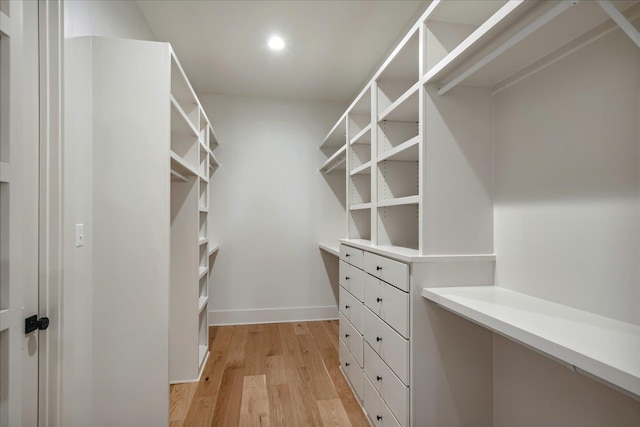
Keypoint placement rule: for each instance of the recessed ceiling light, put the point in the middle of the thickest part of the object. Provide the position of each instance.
(276, 43)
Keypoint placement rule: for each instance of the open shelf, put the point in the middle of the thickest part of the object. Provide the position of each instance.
(202, 303)
(484, 60)
(397, 180)
(183, 94)
(409, 200)
(359, 116)
(332, 249)
(363, 169)
(213, 248)
(602, 347)
(398, 225)
(408, 151)
(360, 206)
(405, 108)
(337, 162)
(203, 241)
(359, 189)
(181, 167)
(360, 224)
(202, 271)
(363, 137)
(400, 74)
(336, 138)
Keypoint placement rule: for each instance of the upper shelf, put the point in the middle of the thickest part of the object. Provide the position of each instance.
(488, 57)
(181, 167)
(404, 109)
(337, 136)
(337, 162)
(605, 348)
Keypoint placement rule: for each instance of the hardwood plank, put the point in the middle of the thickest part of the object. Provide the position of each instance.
(275, 370)
(333, 414)
(280, 405)
(319, 335)
(176, 423)
(305, 410)
(237, 347)
(301, 328)
(255, 358)
(349, 400)
(200, 411)
(332, 330)
(254, 407)
(227, 407)
(321, 383)
(180, 398)
(213, 331)
(290, 348)
(273, 343)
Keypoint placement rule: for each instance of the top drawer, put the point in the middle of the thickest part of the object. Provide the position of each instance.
(351, 255)
(393, 272)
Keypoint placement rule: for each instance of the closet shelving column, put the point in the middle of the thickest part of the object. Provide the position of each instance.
(397, 163)
(334, 149)
(190, 165)
(359, 155)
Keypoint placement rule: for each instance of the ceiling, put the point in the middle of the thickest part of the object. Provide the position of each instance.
(332, 46)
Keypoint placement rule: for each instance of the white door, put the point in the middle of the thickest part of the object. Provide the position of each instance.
(19, 221)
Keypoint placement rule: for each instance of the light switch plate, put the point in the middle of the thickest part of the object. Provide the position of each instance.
(79, 235)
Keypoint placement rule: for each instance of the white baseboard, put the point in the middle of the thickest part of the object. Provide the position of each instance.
(272, 315)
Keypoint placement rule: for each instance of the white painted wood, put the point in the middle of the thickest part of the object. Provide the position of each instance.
(404, 109)
(352, 279)
(392, 391)
(408, 151)
(362, 137)
(352, 338)
(606, 348)
(5, 25)
(352, 256)
(408, 200)
(619, 19)
(330, 248)
(389, 303)
(351, 308)
(393, 272)
(399, 226)
(337, 136)
(363, 169)
(379, 413)
(390, 346)
(336, 162)
(272, 315)
(213, 248)
(352, 371)
(397, 180)
(180, 166)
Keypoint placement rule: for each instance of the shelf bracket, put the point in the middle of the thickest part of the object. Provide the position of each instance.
(619, 19)
(517, 38)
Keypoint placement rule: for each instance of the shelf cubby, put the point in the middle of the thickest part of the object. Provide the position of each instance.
(203, 164)
(403, 109)
(203, 200)
(184, 140)
(359, 155)
(203, 289)
(335, 139)
(360, 224)
(360, 189)
(399, 75)
(397, 179)
(213, 140)
(203, 336)
(398, 225)
(398, 136)
(359, 116)
(337, 163)
(183, 93)
(202, 228)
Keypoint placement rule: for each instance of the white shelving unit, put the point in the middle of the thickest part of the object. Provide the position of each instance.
(602, 347)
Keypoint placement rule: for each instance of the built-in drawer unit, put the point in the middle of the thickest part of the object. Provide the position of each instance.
(352, 371)
(351, 255)
(394, 272)
(351, 308)
(352, 279)
(388, 385)
(352, 338)
(388, 302)
(379, 414)
(390, 345)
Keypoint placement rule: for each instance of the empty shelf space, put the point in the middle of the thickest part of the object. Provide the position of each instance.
(409, 200)
(405, 108)
(180, 122)
(202, 272)
(337, 136)
(202, 303)
(605, 348)
(364, 169)
(332, 249)
(408, 151)
(5, 175)
(4, 319)
(203, 241)
(180, 167)
(213, 248)
(337, 162)
(362, 137)
(360, 206)
(203, 351)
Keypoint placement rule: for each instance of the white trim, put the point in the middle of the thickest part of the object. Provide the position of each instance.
(272, 315)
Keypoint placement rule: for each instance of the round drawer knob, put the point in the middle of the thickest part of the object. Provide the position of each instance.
(347, 364)
(346, 278)
(379, 378)
(379, 299)
(378, 268)
(378, 339)
(346, 335)
(347, 255)
(378, 417)
(347, 306)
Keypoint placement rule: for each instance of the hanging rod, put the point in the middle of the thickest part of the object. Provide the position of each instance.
(517, 38)
(179, 176)
(335, 165)
(619, 19)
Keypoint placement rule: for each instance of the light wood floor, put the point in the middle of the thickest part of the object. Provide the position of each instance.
(284, 374)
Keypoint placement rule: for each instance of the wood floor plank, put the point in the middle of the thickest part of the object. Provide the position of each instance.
(200, 411)
(180, 398)
(290, 348)
(237, 347)
(321, 383)
(280, 405)
(255, 357)
(333, 413)
(254, 406)
(275, 370)
(227, 407)
(319, 335)
(301, 328)
(303, 400)
(273, 343)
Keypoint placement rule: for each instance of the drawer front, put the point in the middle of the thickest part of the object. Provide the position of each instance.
(394, 272)
(351, 308)
(352, 279)
(394, 393)
(379, 413)
(351, 255)
(352, 371)
(388, 302)
(389, 344)
(351, 338)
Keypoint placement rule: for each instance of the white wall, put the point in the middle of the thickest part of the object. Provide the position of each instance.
(265, 210)
(106, 18)
(101, 18)
(567, 227)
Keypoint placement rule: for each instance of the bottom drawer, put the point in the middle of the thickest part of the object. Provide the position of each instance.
(378, 412)
(352, 371)
(352, 338)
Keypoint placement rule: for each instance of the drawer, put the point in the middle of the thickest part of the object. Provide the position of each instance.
(394, 272)
(351, 370)
(352, 279)
(351, 255)
(388, 302)
(351, 308)
(389, 344)
(351, 338)
(379, 413)
(394, 393)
